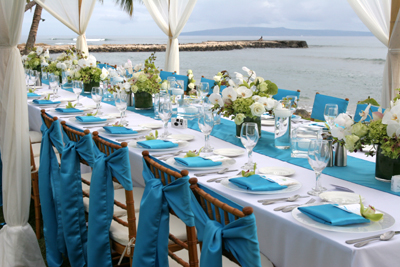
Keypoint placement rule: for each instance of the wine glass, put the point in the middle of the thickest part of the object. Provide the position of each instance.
(64, 76)
(97, 96)
(293, 102)
(204, 89)
(249, 136)
(164, 112)
(32, 74)
(53, 82)
(206, 124)
(330, 113)
(27, 75)
(318, 157)
(37, 79)
(171, 82)
(77, 87)
(121, 99)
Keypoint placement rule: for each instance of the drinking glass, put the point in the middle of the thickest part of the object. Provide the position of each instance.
(32, 77)
(293, 102)
(204, 89)
(64, 76)
(171, 82)
(318, 157)
(97, 96)
(206, 124)
(121, 99)
(37, 79)
(249, 136)
(27, 76)
(164, 112)
(330, 113)
(77, 87)
(107, 96)
(53, 82)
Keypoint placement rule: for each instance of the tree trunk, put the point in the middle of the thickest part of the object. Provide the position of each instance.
(30, 5)
(34, 28)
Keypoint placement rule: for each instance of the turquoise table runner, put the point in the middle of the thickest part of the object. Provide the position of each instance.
(357, 171)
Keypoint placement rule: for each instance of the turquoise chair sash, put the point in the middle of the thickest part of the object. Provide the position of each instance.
(101, 202)
(319, 105)
(238, 237)
(165, 74)
(151, 248)
(73, 213)
(49, 188)
(284, 93)
(362, 107)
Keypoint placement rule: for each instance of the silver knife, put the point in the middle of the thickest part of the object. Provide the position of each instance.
(206, 173)
(353, 241)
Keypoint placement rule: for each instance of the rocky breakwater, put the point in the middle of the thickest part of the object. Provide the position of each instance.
(204, 46)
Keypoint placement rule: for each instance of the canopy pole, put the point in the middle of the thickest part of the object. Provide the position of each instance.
(393, 15)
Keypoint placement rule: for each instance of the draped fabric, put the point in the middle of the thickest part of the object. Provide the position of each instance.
(375, 14)
(49, 193)
(75, 14)
(72, 209)
(19, 246)
(151, 248)
(1, 181)
(171, 16)
(101, 202)
(239, 237)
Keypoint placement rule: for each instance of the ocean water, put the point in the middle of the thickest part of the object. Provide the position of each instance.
(345, 67)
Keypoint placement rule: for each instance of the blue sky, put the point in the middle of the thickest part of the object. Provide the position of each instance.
(109, 20)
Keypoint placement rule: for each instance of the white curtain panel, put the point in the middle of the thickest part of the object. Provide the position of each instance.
(171, 16)
(18, 243)
(375, 14)
(75, 14)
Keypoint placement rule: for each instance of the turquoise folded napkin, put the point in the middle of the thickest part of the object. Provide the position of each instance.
(33, 95)
(68, 110)
(156, 144)
(45, 82)
(197, 162)
(89, 119)
(256, 183)
(332, 215)
(119, 130)
(45, 102)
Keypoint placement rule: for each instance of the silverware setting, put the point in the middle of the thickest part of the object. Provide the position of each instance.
(165, 156)
(96, 126)
(288, 199)
(219, 179)
(212, 172)
(353, 241)
(132, 138)
(383, 237)
(289, 208)
(342, 188)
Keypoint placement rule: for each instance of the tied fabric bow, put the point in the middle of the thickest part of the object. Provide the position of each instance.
(101, 202)
(151, 248)
(73, 213)
(49, 188)
(239, 237)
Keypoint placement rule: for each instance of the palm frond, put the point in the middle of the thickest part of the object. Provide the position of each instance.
(126, 5)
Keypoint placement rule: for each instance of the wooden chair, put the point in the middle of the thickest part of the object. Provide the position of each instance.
(284, 92)
(319, 105)
(190, 245)
(224, 214)
(35, 195)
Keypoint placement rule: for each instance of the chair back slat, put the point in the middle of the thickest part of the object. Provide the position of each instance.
(47, 120)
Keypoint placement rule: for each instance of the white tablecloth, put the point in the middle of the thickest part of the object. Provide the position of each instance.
(282, 239)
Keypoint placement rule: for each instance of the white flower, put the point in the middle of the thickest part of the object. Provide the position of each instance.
(191, 85)
(128, 64)
(251, 73)
(392, 119)
(105, 71)
(138, 67)
(126, 86)
(39, 50)
(239, 118)
(91, 61)
(82, 63)
(239, 77)
(259, 80)
(216, 89)
(44, 64)
(63, 66)
(164, 85)
(268, 102)
(47, 54)
(257, 109)
(256, 98)
(364, 114)
(190, 72)
(244, 92)
(359, 129)
(217, 78)
(134, 88)
(344, 120)
(190, 76)
(232, 83)
(216, 99)
(136, 75)
(350, 141)
(75, 62)
(58, 65)
(229, 93)
(103, 76)
(24, 57)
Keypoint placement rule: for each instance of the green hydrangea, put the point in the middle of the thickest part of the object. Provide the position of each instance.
(377, 132)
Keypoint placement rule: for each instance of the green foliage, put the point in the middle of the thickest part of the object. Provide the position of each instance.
(48, 97)
(370, 101)
(52, 68)
(31, 90)
(369, 213)
(147, 80)
(70, 105)
(193, 153)
(377, 132)
(118, 124)
(250, 173)
(87, 75)
(92, 114)
(152, 136)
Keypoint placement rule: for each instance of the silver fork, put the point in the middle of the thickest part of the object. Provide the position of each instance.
(171, 155)
(294, 205)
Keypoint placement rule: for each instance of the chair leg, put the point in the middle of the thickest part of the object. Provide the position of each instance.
(36, 201)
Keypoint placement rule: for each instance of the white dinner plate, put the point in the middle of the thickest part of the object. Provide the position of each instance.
(45, 105)
(296, 117)
(183, 137)
(383, 224)
(340, 197)
(268, 122)
(94, 122)
(225, 164)
(282, 171)
(83, 109)
(140, 131)
(152, 125)
(181, 144)
(290, 188)
(229, 152)
(267, 117)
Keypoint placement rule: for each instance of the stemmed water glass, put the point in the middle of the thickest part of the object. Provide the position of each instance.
(32, 74)
(249, 136)
(77, 87)
(171, 82)
(164, 112)
(206, 124)
(330, 113)
(53, 82)
(204, 89)
(121, 99)
(97, 96)
(293, 102)
(27, 76)
(318, 157)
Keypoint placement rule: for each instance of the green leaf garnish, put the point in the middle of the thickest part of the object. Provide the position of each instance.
(32, 90)
(92, 114)
(248, 172)
(152, 136)
(193, 153)
(48, 97)
(369, 213)
(70, 105)
(117, 124)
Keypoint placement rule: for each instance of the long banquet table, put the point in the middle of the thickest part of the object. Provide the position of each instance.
(282, 239)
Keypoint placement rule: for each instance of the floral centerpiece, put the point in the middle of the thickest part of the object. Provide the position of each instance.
(145, 83)
(36, 58)
(245, 99)
(87, 72)
(191, 83)
(222, 78)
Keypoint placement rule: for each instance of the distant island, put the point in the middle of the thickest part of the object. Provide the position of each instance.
(265, 31)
